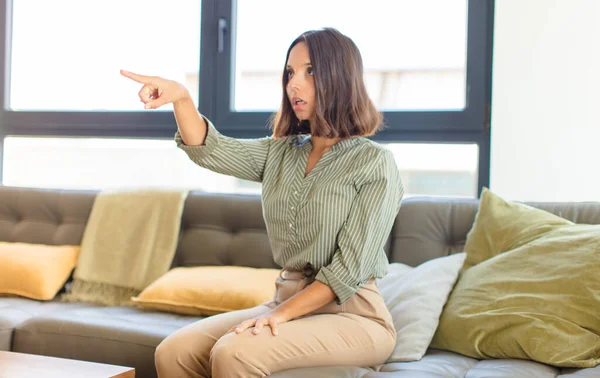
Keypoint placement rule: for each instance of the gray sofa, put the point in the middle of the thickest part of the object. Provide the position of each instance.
(227, 230)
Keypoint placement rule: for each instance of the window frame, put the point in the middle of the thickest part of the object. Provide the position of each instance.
(471, 118)
(471, 125)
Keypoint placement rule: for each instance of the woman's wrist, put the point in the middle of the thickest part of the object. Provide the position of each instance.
(191, 124)
(184, 99)
(282, 312)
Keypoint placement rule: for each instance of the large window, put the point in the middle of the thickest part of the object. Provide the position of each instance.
(427, 67)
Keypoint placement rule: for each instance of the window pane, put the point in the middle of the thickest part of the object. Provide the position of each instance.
(93, 163)
(414, 52)
(448, 170)
(66, 54)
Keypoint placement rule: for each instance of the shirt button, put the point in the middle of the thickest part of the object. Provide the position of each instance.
(291, 225)
(295, 192)
(292, 207)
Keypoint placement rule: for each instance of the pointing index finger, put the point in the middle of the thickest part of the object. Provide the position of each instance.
(142, 79)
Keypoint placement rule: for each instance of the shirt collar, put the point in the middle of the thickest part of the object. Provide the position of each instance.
(299, 140)
(302, 140)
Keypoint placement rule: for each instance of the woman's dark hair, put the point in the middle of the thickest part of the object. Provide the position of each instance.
(343, 108)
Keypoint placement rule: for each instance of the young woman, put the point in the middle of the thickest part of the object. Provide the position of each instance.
(330, 197)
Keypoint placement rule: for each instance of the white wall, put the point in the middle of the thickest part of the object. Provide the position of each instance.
(546, 100)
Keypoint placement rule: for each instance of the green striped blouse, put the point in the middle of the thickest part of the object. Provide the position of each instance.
(337, 218)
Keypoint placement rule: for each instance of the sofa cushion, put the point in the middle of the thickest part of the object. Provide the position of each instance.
(116, 335)
(442, 364)
(434, 364)
(502, 226)
(86, 341)
(415, 298)
(325, 372)
(35, 271)
(209, 290)
(536, 301)
(14, 311)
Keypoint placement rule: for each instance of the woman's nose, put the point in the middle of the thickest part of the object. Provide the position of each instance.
(294, 83)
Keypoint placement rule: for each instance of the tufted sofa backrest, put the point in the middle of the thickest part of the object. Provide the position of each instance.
(44, 216)
(225, 229)
(430, 227)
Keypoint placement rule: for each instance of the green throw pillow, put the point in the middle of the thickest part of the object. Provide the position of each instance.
(530, 289)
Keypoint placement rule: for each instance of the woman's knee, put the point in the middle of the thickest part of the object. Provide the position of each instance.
(233, 356)
(178, 351)
(166, 352)
(224, 350)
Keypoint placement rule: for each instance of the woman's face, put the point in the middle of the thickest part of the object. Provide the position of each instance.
(301, 84)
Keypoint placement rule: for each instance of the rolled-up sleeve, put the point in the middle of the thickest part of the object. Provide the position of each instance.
(241, 158)
(362, 237)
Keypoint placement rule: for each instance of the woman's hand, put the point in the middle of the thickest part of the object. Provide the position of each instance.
(157, 91)
(271, 319)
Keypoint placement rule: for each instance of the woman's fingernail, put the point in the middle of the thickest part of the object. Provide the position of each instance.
(147, 106)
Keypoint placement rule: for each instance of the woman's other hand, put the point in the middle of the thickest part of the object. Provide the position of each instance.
(157, 91)
(271, 319)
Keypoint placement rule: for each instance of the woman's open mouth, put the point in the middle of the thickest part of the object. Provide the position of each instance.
(298, 103)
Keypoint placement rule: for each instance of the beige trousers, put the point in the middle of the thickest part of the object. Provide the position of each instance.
(359, 332)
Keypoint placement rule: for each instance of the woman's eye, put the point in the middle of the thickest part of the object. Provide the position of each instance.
(309, 70)
(289, 73)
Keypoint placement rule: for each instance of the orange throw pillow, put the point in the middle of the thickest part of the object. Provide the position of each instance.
(35, 271)
(209, 290)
